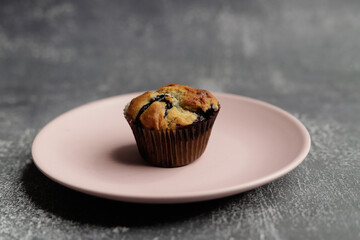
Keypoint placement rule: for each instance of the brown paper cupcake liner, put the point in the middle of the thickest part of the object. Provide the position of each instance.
(173, 147)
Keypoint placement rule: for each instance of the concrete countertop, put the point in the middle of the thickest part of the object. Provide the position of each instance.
(303, 56)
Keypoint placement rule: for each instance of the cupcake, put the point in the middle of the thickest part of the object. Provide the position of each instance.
(173, 124)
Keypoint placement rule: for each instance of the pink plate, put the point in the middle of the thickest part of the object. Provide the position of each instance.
(91, 149)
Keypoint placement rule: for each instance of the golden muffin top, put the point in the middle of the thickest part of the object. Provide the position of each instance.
(171, 106)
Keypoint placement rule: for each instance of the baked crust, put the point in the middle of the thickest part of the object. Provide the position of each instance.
(171, 106)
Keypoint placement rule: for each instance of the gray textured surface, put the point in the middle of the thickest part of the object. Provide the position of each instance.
(303, 56)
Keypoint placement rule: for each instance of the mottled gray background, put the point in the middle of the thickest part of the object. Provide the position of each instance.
(303, 56)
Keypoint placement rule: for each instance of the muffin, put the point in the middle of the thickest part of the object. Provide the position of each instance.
(173, 124)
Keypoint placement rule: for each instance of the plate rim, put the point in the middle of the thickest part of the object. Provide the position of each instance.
(186, 197)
